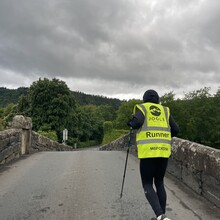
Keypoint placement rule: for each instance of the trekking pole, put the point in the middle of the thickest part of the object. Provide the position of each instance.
(129, 144)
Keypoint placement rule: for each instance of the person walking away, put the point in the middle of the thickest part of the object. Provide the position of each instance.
(155, 128)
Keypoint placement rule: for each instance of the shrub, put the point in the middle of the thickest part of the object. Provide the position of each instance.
(49, 134)
(113, 135)
(108, 126)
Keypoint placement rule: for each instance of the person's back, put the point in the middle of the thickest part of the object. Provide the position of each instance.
(156, 127)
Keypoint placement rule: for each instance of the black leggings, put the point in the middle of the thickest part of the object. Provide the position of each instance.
(154, 169)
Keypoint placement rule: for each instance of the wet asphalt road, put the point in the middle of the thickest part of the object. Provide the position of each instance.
(86, 185)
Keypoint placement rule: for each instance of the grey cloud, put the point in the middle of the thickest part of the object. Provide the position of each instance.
(166, 44)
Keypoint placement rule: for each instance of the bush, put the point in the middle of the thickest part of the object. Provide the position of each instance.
(72, 141)
(49, 134)
(113, 135)
(1, 125)
(90, 143)
(108, 126)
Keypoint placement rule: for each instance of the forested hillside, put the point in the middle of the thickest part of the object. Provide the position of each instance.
(53, 107)
(86, 99)
(8, 96)
(89, 118)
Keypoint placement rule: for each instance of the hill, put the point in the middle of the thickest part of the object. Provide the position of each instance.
(8, 96)
(86, 99)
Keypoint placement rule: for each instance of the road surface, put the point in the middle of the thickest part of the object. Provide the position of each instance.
(86, 185)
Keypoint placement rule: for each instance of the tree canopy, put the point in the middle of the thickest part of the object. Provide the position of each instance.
(197, 115)
(50, 103)
(53, 107)
(8, 96)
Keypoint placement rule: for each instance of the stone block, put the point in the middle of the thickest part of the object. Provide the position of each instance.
(175, 168)
(2, 161)
(10, 157)
(4, 144)
(192, 178)
(21, 122)
(8, 133)
(3, 135)
(14, 139)
(6, 153)
(211, 189)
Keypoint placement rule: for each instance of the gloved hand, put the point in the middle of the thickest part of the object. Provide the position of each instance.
(130, 122)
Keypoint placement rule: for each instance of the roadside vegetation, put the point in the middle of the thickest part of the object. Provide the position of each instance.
(95, 120)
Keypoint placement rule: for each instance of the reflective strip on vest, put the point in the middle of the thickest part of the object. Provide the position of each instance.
(154, 137)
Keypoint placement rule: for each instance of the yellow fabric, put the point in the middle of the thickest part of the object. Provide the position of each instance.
(154, 137)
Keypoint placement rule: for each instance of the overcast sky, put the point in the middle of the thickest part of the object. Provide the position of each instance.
(114, 48)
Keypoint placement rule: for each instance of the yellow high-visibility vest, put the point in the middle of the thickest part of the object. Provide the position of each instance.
(154, 137)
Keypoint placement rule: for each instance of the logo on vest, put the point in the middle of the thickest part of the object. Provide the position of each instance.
(155, 110)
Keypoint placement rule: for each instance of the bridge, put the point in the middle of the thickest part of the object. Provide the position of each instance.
(41, 179)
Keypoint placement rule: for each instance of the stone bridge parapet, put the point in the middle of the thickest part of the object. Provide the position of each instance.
(20, 139)
(196, 165)
(10, 143)
(42, 143)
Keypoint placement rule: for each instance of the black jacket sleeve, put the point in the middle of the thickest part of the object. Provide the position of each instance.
(174, 127)
(137, 119)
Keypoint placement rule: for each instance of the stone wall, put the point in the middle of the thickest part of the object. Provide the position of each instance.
(196, 165)
(22, 140)
(41, 143)
(10, 141)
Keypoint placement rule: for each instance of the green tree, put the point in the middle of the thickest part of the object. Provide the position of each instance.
(106, 112)
(124, 113)
(8, 96)
(198, 120)
(107, 126)
(7, 115)
(23, 106)
(51, 103)
(197, 116)
(167, 98)
(215, 122)
(90, 124)
(50, 134)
